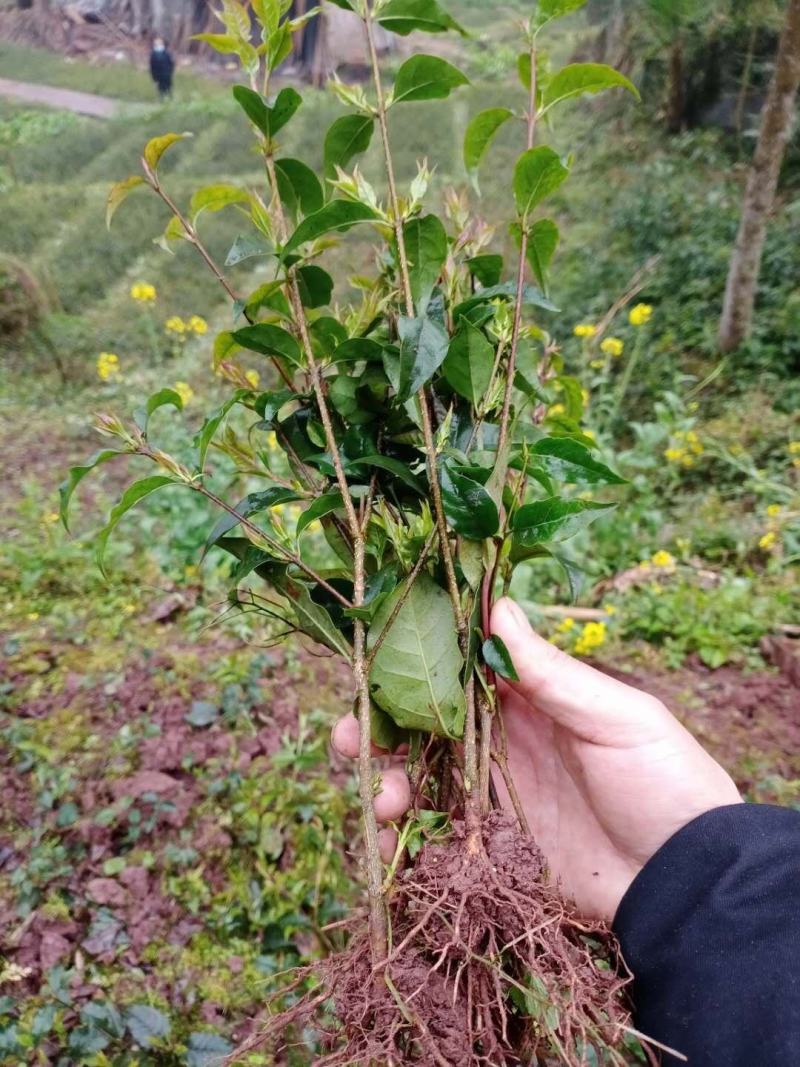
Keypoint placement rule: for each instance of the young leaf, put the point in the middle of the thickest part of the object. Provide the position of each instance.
(323, 505)
(298, 186)
(556, 9)
(269, 341)
(316, 286)
(538, 172)
(480, 134)
(426, 78)
(265, 118)
(337, 215)
(252, 504)
(571, 462)
(497, 656)
(468, 507)
(468, 365)
(76, 476)
(423, 347)
(405, 16)
(486, 268)
(347, 137)
(215, 198)
(130, 498)
(202, 440)
(578, 78)
(119, 193)
(415, 677)
(156, 148)
(158, 400)
(426, 246)
(553, 519)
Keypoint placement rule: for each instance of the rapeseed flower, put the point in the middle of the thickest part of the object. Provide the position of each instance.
(640, 314)
(253, 378)
(663, 559)
(768, 540)
(107, 366)
(585, 329)
(612, 346)
(593, 635)
(197, 325)
(143, 293)
(184, 391)
(175, 324)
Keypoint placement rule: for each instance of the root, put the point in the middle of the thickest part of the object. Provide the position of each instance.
(490, 968)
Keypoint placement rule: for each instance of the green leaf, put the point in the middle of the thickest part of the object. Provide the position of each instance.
(498, 658)
(215, 198)
(531, 297)
(312, 618)
(119, 193)
(578, 78)
(269, 341)
(573, 573)
(207, 1050)
(316, 286)
(468, 365)
(424, 77)
(246, 246)
(571, 462)
(467, 505)
(323, 505)
(357, 348)
(337, 215)
(156, 148)
(393, 466)
(146, 1024)
(250, 505)
(220, 42)
(538, 172)
(268, 404)
(423, 347)
(347, 137)
(76, 476)
(416, 674)
(405, 16)
(129, 499)
(384, 731)
(486, 268)
(556, 9)
(158, 400)
(298, 186)
(426, 247)
(265, 118)
(481, 131)
(543, 239)
(203, 438)
(202, 713)
(553, 519)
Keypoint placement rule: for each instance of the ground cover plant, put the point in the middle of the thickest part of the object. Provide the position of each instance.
(419, 428)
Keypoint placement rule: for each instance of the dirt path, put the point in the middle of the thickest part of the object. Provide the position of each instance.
(102, 107)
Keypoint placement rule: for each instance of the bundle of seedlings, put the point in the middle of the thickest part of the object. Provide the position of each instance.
(411, 425)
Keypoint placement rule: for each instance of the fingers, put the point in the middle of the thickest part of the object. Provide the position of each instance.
(585, 701)
(394, 797)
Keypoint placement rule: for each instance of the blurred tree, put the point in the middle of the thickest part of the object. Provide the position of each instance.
(762, 182)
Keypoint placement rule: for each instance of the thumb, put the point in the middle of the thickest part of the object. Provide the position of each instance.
(587, 702)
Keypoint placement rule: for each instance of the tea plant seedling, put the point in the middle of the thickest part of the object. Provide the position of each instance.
(414, 424)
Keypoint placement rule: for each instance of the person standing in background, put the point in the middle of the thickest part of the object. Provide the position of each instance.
(162, 67)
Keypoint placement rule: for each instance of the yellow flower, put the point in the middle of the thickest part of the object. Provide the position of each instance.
(175, 324)
(556, 409)
(663, 559)
(253, 378)
(50, 518)
(674, 455)
(794, 448)
(640, 314)
(612, 346)
(610, 609)
(143, 293)
(565, 625)
(184, 391)
(197, 325)
(585, 329)
(593, 635)
(129, 609)
(768, 540)
(107, 366)
(773, 510)
(272, 440)
(33, 616)
(597, 364)
(590, 434)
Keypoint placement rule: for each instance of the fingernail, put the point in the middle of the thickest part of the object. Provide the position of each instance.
(516, 612)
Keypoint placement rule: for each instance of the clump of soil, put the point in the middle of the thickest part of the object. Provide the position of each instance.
(487, 965)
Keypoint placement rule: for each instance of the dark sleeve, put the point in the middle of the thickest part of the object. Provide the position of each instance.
(711, 931)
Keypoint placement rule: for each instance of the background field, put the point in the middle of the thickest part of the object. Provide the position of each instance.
(170, 840)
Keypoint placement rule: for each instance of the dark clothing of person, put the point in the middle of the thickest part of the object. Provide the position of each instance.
(710, 929)
(162, 67)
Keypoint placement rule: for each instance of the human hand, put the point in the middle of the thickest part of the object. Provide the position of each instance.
(605, 774)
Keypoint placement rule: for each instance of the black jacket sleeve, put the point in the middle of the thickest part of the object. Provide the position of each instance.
(711, 931)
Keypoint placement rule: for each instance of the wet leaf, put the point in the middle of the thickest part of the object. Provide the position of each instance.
(554, 519)
(571, 462)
